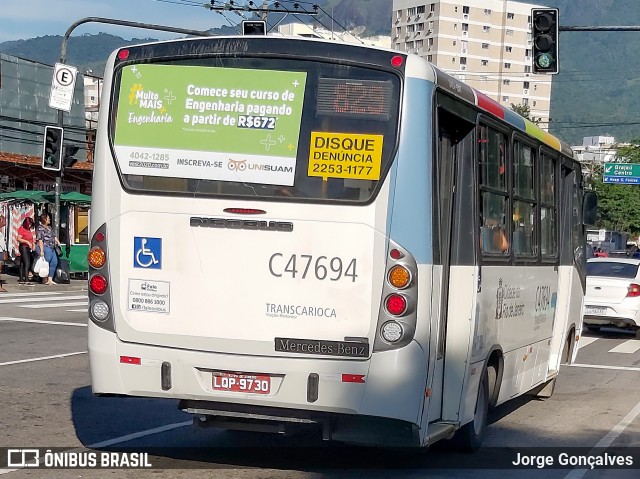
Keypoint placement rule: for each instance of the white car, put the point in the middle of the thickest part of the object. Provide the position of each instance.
(613, 294)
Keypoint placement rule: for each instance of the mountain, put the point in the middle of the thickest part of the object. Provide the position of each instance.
(597, 91)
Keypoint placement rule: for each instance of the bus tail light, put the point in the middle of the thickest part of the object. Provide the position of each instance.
(399, 277)
(633, 290)
(391, 331)
(98, 284)
(97, 257)
(100, 304)
(396, 304)
(99, 310)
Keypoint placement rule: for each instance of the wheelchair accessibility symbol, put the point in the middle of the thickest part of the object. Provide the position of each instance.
(147, 253)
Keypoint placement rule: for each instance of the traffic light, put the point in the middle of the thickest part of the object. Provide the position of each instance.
(69, 155)
(254, 27)
(544, 27)
(52, 151)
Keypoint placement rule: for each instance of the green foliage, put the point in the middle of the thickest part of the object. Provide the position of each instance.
(618, 205)
(522, 110)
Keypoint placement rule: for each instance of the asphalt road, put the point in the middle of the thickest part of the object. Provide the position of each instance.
(47, 402)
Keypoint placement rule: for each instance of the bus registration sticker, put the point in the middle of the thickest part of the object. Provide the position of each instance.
(148, 296)
(345, 155)
(241, 383)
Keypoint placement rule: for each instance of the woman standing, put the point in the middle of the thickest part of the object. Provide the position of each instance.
(26, 244)
(3, 252)
(47, 242)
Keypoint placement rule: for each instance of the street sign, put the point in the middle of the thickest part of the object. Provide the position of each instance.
(625, 173)
(62, 87)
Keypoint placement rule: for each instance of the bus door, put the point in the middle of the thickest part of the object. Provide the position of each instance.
(572, 268)
(453, 234)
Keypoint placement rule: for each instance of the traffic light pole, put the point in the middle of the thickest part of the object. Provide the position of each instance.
(63, 59)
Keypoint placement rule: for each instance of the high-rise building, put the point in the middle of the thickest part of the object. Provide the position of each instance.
(485, 43)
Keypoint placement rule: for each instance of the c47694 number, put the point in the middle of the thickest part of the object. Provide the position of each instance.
(305, 266)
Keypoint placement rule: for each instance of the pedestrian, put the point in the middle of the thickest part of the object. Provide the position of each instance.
(46, 243)
(3, 252)
(26, 244)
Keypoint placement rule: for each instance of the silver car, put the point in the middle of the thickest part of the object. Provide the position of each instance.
(613, 294)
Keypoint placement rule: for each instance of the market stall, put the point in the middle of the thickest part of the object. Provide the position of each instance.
(74, 222)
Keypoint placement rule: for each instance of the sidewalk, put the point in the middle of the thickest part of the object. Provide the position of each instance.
(10, 283)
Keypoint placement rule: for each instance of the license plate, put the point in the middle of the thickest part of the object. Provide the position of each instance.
(241, 383)
(595, 310)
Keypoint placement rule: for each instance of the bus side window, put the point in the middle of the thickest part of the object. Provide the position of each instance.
(493, 229)
(524, 200)
(492, 147)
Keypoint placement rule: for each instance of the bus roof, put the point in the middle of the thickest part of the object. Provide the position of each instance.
(495, 109)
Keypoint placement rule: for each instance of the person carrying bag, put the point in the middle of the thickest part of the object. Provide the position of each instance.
(3, 252)
(26, 246)
(46, 243)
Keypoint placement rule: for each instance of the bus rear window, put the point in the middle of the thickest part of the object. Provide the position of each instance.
(255, 127)
(612, 269)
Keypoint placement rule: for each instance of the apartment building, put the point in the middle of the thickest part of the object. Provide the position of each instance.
(485, 43)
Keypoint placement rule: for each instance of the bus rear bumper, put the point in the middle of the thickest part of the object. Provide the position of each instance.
(383, 407)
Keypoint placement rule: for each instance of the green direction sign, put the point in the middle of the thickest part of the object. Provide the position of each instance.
(627, 173)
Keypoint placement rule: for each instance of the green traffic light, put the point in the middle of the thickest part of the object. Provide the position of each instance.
(544, 60)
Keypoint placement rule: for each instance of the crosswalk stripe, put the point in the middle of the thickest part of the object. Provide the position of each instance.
(585, 341)
(54, 305)
(18, 295)
(42, 299)
(42, 321)
(84, 310)
(628, 347)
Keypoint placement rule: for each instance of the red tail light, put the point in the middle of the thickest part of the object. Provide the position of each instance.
(98, 284)
(633, 290)
(396, 304)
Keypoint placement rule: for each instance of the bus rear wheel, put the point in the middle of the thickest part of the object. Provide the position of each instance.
(469, 437)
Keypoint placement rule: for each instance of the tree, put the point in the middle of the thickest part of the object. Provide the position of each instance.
(618, 205)
(522, 110)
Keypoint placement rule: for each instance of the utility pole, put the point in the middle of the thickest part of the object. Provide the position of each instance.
(63, 58)
(263, 10)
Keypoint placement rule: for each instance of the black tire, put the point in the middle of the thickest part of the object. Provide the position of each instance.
(469, 437)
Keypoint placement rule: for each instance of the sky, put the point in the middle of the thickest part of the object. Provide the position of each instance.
(22, 19)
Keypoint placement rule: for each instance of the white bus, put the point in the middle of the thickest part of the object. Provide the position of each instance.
(291, 232)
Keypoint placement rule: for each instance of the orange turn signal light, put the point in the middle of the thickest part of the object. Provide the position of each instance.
(97, 257)
(399, 277)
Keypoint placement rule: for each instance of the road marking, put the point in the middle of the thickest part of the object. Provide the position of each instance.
(608, 439)
(32, 300)
(54, 305)
(44, 358)
(17, 295)
(585, 341)
(601, 366)
(628, 347)
(136, 435)
(42, 321)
